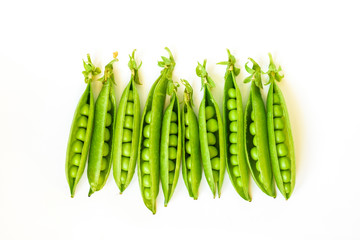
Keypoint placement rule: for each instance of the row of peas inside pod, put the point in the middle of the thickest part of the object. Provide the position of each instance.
(259, 139)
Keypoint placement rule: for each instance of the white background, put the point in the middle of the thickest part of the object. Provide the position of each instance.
(42, 44)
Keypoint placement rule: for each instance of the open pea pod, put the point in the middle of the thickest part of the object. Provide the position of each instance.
(81, 130)
(101, 146)
(281, 143)
(127, 129)
(256, 135)
(150, 130)
(234, 131)
(170, 150)
(191, 155)
(211, 133)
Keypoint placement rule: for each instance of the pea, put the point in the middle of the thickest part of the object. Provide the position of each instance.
(126, 149)
(284, 163)
(172, 153)
(258, 165)
(171, 166)
(239, 182)
(103, 164)
(216, 175)
(189, 177)
(253, 115)
(75, 160)
(212, 125)
(278, 123)
(80, 134)
(85, 109)
(147, 193)
(232, 93)
(233, 149)
(145, 168)
(187, 119)
(213, 151)
(77, 146)
(236, 171)
(287, 187)
(145, 154)
(73, 171)
(82, 121)
(106, 135)
(128, 122)
(286, 176)
(282, 150)
(209, 112)
(233, 115)
(278, 112)
(261, 178)
(276, 98)
(127, 135)
(231, 104)
(173, 140)
(148, 117)
(173, 128)
(187, 133)
(233, 138)
(146, 142)
(255, 141)
(125, 162)
(129, 108)
(173, 117)
(252, 129)
(106, 149)
(147, 131)
(215, 163)
(101, 178)
(147, 180)
(171, 177)
(188, 147)
(123, 177)
(233, 160)
(254, 153)
(108, 107)
(131, 96)
(211, 138)
(233, 126)
(279, 136)
(188, 162)
(108, 120)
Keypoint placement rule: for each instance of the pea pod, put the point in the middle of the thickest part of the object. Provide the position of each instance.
(234, 131)
(211, 127)
(170, 151)
(150, 129)
(81, 130)
(101, 143)
(280, 136)
(256, 137)
(127, 128)
(191, 155)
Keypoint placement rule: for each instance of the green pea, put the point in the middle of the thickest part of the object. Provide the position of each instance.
(212, 125)
(171, 166)
(209, 112)
(213, 151)
(231, 104)
(84, 110)
(253, 115)
(233, 138)
(211, 138)
(127, 135)
(173, 140)
(171, 177)
(239, 182)
(261, 178)
(73, 171)
(146, 142)
(148, 117)
(188, 162)
(128, 122)
(172, 153)
(104, 164)
(145, 168)
(278, 112)
(276, 98)
(108, 119)
(147, 180)
(188, 147)
(77, 146)
(173, 117)
(284, 163)
(252, 129)
(215, 163)
(233, 115)
(131, 96)
(129, 108)
(232, 93)
(233, 149)
(286, 176)
(101, 178)
(106, 149)
(147, 193)
(145, 154)
(278, 123)
(189, 177)
(173, 128)
(254, 153)
(82, 121)
(187, 119)
(216, 175)
(233, 126)
(187, 133)
(108, 107)
(255, 140)
(279, 136)
(258, 165)
(282, 150)
(81, 134)
(236, 171)
(106, 135)
(147, 131)
(287, 187)
(75, 160)
(234, 160)
(126, 149)
(125, 162)
(123, 177)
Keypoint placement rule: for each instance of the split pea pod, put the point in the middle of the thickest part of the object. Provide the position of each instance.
(211, 133)
(150, 130)
(234, 131)
(256, 136)
(102, 139)
(170, 150)
(281, 143)
(81, 130)
(191, 155)
(127, 128)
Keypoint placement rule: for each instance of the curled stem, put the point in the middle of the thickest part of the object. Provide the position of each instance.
(90, 69)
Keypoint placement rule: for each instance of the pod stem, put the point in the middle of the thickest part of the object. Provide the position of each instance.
(255, 73)
(188, 92)
(134, 68)
(109, 70)
(90, 69)
(203, 74)
(168, 64)
(230, 63)
(273, 72)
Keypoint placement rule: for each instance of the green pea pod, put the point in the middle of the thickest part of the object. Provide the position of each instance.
(281, 143)
(211, 127)
(127, 128)
(234, 131)
(170, 151)
(104, 122)
(191, 162)
(81, 130)
(256, 137)
(150, 130)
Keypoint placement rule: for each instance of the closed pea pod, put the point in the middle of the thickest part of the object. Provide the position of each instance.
(81, 130)
(257, 150)
(104, 119)
(234, 140)
(280, 136)
(127, 135)
(149, 139)
(210, 121)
